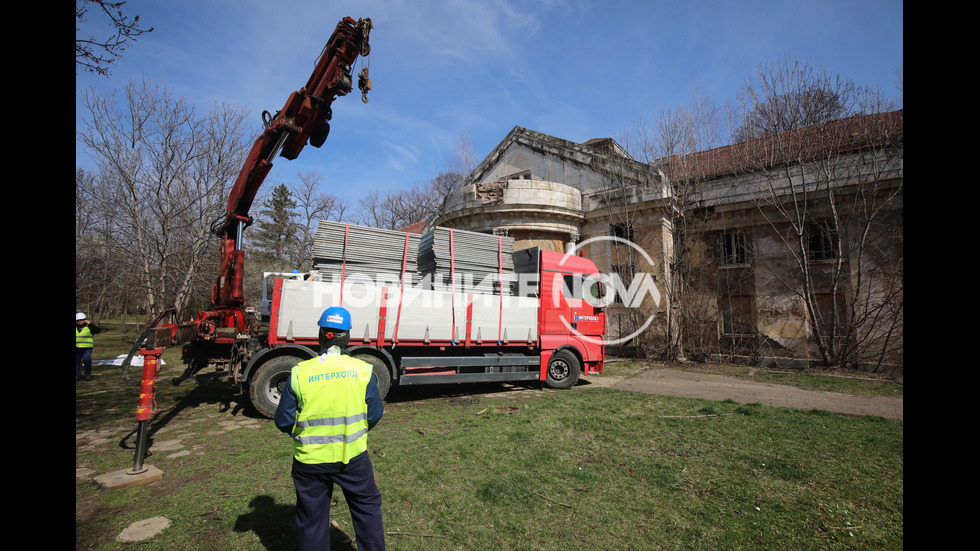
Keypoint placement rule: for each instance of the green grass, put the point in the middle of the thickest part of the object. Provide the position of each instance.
(509, 468)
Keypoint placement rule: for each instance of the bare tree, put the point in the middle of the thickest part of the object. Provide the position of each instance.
(789, 93)
(96, 54)
(90, 254)
(676, 142)
(163, 171)
(622, 196)
(314, 205)
(457, 168)
(831, 193)
(397, 209)
(444, 183)
(102, 282)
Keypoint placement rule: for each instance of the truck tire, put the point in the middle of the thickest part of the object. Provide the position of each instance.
(266, 384)
(381, 372)
(563, 370)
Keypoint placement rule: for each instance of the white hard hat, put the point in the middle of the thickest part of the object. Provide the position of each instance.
(79, 316)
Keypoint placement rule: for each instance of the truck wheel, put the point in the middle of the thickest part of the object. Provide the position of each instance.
(266, 385)
(563, 370)
(381, 372)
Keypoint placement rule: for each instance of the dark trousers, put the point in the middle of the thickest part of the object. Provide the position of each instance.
(314, 493)
(83, 360)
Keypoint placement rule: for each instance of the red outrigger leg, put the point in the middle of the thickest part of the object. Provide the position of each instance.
(147, 403)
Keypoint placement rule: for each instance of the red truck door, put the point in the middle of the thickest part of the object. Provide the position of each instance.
(570, 297)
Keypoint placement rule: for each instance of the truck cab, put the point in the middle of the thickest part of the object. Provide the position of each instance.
(571, 314)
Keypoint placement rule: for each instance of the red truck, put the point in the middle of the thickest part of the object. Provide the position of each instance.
(549, 330)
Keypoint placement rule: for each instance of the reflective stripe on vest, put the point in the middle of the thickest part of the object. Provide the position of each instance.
(84, 338)
(331, 420)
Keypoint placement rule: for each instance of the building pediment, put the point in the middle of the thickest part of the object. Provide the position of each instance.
(530, 155)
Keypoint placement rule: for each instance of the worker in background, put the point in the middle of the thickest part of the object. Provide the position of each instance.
(85, 332)
(328, 405)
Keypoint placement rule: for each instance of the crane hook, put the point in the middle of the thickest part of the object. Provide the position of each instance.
(364, 83)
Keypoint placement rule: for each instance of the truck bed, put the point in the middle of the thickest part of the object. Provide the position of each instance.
(409, 315)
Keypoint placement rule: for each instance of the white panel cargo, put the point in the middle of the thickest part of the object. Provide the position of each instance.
(412, 313)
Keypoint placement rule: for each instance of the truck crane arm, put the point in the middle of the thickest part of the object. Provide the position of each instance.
(303, 119)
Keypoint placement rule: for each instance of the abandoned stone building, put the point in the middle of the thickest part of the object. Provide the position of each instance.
(782, 249)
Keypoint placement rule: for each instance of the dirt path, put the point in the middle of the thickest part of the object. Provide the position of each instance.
(671, 382)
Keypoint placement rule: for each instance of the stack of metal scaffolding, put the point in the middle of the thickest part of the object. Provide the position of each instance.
(480, 262)
(444, 258)
(345, 249)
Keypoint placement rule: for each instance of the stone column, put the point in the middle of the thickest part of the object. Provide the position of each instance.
(573, 237)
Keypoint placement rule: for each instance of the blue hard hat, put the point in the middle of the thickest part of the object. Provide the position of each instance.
(335, 317)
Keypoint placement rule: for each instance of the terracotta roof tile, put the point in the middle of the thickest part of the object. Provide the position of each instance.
(416, 227)
(840, 136)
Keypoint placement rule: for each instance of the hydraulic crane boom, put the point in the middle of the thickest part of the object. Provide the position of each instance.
(304, 118)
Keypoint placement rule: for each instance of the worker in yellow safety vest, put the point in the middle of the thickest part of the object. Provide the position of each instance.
(328, 405)
(85, 332)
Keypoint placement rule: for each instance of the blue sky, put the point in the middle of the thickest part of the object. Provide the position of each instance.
(574, 69)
